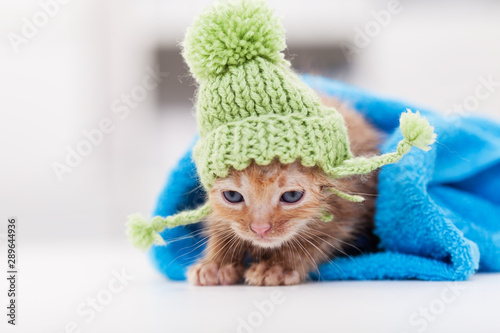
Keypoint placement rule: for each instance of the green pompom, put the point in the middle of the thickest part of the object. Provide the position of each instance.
(230, 33)
(143, 233)
(417, 130)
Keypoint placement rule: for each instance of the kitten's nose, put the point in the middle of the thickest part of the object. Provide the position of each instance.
(260, 229)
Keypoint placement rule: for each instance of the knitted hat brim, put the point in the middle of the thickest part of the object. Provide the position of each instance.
(315, 141)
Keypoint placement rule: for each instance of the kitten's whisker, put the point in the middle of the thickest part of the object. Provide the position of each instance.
(285, 248)
(232, 242)
(333, 246)
(340, 240)
(313, 261)
(192, 234)
(333, 259)
(308, 254)
(346, 190)
(199, 187)
(206, 239)
(227, 241)
(185, 237)
(294, 250)
(314, 245)
(240, 250)
(365, 194)
(330, 262)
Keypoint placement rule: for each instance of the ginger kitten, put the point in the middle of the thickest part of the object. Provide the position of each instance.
(266, 227)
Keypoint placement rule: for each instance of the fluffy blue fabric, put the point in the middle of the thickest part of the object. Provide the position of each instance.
(438, 212)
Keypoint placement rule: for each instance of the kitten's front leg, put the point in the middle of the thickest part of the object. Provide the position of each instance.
(221, 265)
(211, 273)
(269, 273)
(278, 267)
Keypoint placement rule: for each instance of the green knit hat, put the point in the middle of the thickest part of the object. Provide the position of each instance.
(251, 106)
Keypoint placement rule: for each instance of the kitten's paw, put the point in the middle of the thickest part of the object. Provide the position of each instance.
(211, 274)
(262, 274)
(230, 274)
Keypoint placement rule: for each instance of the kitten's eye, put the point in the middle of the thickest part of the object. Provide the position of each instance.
(292, 196)
(233, 196)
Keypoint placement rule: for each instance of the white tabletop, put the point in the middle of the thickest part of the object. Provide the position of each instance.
(59, 284)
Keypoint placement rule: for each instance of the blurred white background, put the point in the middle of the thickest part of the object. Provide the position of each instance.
(62, 78)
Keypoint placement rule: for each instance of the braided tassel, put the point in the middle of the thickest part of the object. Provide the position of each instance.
(328, 217)
(416, 131)
(143, 233)
(350, 197)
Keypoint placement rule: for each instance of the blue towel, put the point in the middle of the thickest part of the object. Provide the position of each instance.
(438, 212)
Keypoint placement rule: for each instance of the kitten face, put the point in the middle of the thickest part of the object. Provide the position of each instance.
(267, 205)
